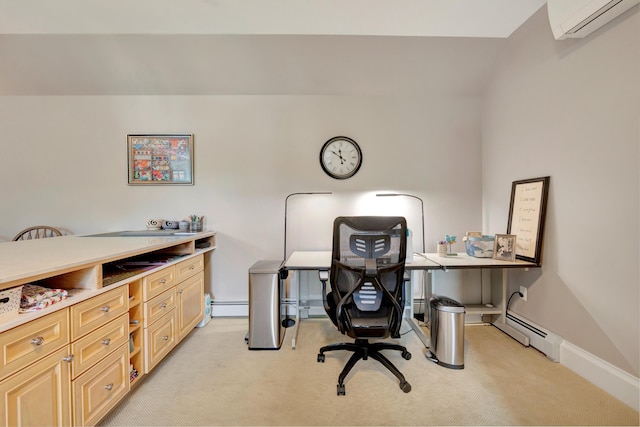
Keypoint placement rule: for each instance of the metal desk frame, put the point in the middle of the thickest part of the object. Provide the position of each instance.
(429, 262)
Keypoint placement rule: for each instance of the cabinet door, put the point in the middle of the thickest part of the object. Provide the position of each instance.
(39, 395)
(190, 296)
(159, 339)
(100, 388)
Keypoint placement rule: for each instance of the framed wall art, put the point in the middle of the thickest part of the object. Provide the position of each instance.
(504, 247)
(527, 212)
(160, 159)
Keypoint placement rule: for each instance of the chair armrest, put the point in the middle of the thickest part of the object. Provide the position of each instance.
(323, 275)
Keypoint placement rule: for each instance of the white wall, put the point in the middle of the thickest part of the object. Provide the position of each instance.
(64, 163)
(570, 109)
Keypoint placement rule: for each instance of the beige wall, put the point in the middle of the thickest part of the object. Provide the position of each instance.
(570, 109)
(64, 164)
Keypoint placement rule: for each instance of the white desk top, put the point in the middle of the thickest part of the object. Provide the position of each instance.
(314, 260)
(462, 260)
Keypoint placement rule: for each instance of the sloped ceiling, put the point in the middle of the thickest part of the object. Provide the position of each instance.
(253, 47)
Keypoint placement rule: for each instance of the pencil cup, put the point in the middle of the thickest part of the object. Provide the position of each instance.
(442, 249)
(196, 226)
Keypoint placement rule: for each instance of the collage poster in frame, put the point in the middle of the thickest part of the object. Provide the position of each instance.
(160, 159)
(527, 212)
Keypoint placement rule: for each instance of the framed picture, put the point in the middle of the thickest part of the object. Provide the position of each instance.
(160, 159)
(527, 212)
(504, 247)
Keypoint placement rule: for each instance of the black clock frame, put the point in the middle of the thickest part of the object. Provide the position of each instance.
(329, 172)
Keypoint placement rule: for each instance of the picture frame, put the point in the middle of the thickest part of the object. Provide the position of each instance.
(527, 212)
(504, 247)
(160, 159)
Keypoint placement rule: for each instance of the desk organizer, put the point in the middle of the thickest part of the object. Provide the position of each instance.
(479, 247)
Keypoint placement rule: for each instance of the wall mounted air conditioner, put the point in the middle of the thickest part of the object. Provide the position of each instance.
(578, 18)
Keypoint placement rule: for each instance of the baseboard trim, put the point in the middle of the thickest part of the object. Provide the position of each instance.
(229, 308)
(620, 384)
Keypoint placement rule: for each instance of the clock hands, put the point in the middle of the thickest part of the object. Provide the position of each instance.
(339, 154)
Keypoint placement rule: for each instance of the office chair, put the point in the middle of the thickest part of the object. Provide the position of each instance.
(367, 289)
(37, 232)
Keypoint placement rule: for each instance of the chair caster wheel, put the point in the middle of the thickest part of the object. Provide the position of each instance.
(406, 355)
(405, 386)
(341, 391)
(320, 358)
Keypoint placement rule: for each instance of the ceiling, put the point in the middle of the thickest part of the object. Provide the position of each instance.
(253, 47)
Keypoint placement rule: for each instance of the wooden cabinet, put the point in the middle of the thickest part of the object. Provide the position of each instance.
(38, 395)
(74, 361)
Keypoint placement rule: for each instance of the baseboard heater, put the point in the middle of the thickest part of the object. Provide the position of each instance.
(545, 341)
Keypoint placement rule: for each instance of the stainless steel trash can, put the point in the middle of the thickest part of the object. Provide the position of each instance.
(266, 329)
(447, 332)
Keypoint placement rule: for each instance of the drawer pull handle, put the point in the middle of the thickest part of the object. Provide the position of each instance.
(163, 281)
(180, 291)
(37, 341)
(106, 308)
(165, 337)
(163, 305)
(191, 267)
(106, 341)
(108, 386)
(69, 358)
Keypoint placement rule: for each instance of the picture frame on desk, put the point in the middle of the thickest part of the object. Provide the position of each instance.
(160, 159)
(527, 212)
(504, 247)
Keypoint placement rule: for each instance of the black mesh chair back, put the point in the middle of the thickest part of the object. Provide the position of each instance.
(367, 288)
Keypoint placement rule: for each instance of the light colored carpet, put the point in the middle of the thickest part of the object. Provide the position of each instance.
(213, 379)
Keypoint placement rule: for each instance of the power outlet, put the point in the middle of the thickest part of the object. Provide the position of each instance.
(523, 291)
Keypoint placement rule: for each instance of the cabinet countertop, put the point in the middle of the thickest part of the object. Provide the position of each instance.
(32, 258)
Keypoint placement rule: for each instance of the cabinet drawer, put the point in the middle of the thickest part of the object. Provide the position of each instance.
(189, 267)
(89, 315)
(158, 282)
(159, 339)
(27, 343)
(89, 349)
(159, 306)
(100, 388)
(39, 395)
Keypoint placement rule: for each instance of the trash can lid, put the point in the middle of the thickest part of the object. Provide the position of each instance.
(447, 304)
(265, 266)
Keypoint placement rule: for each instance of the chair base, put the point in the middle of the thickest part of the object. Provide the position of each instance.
(363, 349)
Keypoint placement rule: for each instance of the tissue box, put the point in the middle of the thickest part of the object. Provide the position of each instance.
(479, 247)
(10, 300)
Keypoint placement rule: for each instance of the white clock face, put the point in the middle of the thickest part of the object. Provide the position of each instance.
(340, 157)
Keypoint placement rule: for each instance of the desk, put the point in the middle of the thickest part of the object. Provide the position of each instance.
(497, 307)
(321, 260)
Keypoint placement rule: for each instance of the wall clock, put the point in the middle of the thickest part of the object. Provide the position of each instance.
(340, 157)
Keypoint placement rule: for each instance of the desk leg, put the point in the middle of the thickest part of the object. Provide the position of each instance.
(295, 327)
(411, 320)
(501, 322)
